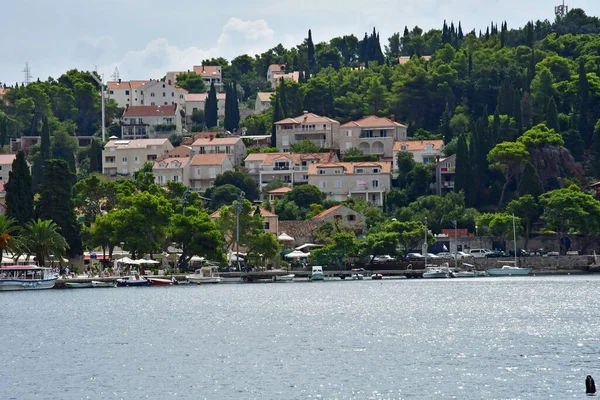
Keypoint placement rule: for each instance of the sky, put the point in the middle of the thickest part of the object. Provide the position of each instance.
(146, 38)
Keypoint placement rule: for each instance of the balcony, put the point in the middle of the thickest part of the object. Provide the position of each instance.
(318, 142)
(283, 169)
(446, 170)
(448, 184)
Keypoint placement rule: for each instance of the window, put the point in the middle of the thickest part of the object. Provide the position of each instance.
(142, 92)
(176, 178)
(160, 179)
(140, 121)
(228, 149)
(164, 94)
(348, 133)
(152, 104)
(124, 160)
(375, 170)
(127, 93)
(338, 184)
(351, 217)
(322, 172)
(151, 94)
(172, 94)
(337, 171)
(285, 141)
(111, 92)
(142, 102)
(425, 160)
(181, 96)
(323, 185)
(375, 183)
(403, 147)
(166, 104)
(359, 171)
(267, 226)
(137, 160)
(305, 177)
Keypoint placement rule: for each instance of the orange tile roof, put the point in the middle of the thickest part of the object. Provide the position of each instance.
(270, 158)
(263, 213)
(328, 211)
(178, 152)
(118, 85)
(170, 161)
(280, 190)
(386, 167)
(265, 97)
(373, 122)
(150, 111)
(207, 71)
(277, 67)
(6, 159)
(217, 141)
(418, 145)
(308, 118)
(208, 159)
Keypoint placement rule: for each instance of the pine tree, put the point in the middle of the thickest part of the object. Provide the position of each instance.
(584, 96)
(552, 115)
(276, 118)
(57, 205)
(310, 50)
(236, 107)
(526, 112)
(211, 107)
(446, 130)
(19, 191)
(530, 182)
(460, 35)
(445, 36)
(462, 171)
(95, 156)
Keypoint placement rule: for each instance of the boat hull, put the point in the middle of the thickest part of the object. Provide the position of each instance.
(82, 285)
(508, 272)
(160, 281)
(376, 277)
(317, 277)
(435, 275)
(17, 284)
(132, 283)
(98, 284)
(283, 278)
(204, 280)
(464, 274)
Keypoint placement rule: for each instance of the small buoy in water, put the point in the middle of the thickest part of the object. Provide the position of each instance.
(590, 386)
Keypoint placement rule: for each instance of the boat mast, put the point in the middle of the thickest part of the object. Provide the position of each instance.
(515, 240)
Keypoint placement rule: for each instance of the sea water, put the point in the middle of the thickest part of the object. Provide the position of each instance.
(485, 338)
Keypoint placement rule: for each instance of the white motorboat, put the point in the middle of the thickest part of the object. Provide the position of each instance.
(317, 273)
(508, 270)
(357, 274)
(26, 277)
(464, 274)
(99, 284)
(204, 275)
(436, 273)
(283, 278)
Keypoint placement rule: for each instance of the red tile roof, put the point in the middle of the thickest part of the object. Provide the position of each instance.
(150, 111)
(208, 71)
(418, 145)
(209, 159)
(170, 161)
(308, 118)
(386, 167)
(277, 67)
(280, 190)
(7, 159)
(328, 211)
(373, 122)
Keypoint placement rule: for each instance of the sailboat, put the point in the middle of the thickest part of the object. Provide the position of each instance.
(509, 270)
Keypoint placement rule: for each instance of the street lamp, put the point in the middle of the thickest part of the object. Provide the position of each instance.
(425, 244)
(238, 210)
(455, 244)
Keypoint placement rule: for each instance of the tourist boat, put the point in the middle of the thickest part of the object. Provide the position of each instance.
(283, 278)
(79, 285)
(376, 276)
(317, 273)
(26, 277)
(162, 281)
(436, 273)
(204, 275)
(508, 270)
(100, 284)
(357, 274)
(133, 279)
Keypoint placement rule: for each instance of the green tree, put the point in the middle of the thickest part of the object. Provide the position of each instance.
(8, 236)
(304, 147)
(19, 191)
(310, 53)
(56, 204)
(527, 209)
(508, 158)
(43, 239)
(211, 108)
(552, 115)
(305, 195)
(191, 81)
(240, 180)
(223, 195)
(263, 246)
(250, 224)
(232, 112)
(530, 182)
(499, 225)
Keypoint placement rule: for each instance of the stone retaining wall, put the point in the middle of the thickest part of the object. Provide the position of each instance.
(537, 263)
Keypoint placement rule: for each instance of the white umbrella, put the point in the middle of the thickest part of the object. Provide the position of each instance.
(297, 254)
(284, 237)
(143, 261)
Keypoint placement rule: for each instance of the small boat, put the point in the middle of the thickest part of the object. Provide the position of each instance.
(26, 277)
(317, 273)
(204, 275)
(377, 277)
(283, 278)
(357, 274)
(100, 284)
(508, 270)
(238, 279)
(161, 281)
(436, 273)
(464, 274)
(134, 279)
(79, 285)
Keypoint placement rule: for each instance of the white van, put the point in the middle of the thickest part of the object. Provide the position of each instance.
(479, 253)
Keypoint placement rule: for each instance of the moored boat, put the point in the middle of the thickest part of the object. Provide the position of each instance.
(161, 281)
(436, 273)
(79, 285)
(283, 278)
(376, 276)
(100, 284)
(134, 279)
(317, 273)
(508, 270)
(204, 275)
(26, 277)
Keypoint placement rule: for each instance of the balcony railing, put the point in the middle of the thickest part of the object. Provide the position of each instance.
(448, 184)
(318, 142)
(280, 169)
(445, 170)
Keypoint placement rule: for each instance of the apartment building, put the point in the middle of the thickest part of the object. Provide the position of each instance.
(373, 135)
(322, 131)
(204, 169)
(159, 93)
(125, 93)
(151, 121)
(197, 101)
(171, 169)
(234, 147)
(424, 151)
(124, 157)
(361, 180)
(445, 172)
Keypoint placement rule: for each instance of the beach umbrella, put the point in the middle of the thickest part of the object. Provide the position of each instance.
(297, 254)
(284, 237)
(143, 261)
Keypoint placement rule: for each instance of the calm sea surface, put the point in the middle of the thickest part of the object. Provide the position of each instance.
(488, 338)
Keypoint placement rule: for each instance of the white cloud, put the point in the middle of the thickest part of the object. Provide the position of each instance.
(93, 49)
(159, 55)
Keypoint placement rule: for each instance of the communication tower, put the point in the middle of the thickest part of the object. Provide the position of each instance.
(561, 10)
(115, 76)
(27, 75)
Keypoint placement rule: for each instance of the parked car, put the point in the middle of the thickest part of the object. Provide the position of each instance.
(383, 259)
(431, 255)
(520, 253)
(414, 257)
(553, 254)
(445, 255)
(461, 254)
(478, 253)
(495, 254)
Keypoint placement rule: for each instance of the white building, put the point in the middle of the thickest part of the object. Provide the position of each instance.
(141, 122)
(362, 180)
(125, 93)
(124, 157)
(321, 131)
(171, 169)
(234, 147)
(6, 161)
(197, 101)
(424, 151)
(205, 168)
(373, 135)
(263, 102)
(445, 174)
(210, 74)
(159, 93)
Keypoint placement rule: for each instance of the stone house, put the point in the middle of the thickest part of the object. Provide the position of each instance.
(373, 135)
(343, 216)
(321, 131)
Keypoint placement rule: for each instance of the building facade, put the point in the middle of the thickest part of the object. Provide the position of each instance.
(445, 172)
(197, 101)
(373, 135)
(6, 161)
(423, 151)
(124, 157)
(171, 169)
(125, 93)
(233, 147)
(361, 180)
(321, 131)
(204, 169)
(343, 216)
(263, 102)
(141, 122)
(159, 93)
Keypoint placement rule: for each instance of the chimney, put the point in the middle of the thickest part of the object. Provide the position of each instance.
(305, 112)
(211, 137)
(273, 208)
(119, 80)
(393, 117)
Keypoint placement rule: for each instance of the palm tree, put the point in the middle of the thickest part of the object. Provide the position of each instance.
(8, 240)
(42, 238)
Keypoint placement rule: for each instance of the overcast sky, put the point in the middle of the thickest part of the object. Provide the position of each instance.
(146, 38)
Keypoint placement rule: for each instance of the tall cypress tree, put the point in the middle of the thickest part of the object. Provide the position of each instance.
(95, 156)
(276, 117)
(584, 96)
(462, 171)
(235, 106)
(211, 107)
(45, 141)
(19, 191)
(227, 123)
(283, 100)
(56, 203)
(446, 130)
(552, 115)
(310, 51)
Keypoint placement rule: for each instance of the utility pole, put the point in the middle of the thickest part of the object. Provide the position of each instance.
(238, 210)
(425, 244)
(455, 244)
(100, 82)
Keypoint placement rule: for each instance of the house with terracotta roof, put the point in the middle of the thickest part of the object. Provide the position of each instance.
(196, 102)
(423, 151)
(373, 135)
(141, 122)
(290, 76)
(204, 169)
(404, 59)
(445, 172)
(171, 169)
(274, 71)
(233, 146)
(270, 220)
(263, 101)
(352, 180)
(159, 93)
(278, 193)
(321, 131)
(343, 216)
(125, 93)
(290, 168)
(211, 74)
(124, 157)
(6, 161)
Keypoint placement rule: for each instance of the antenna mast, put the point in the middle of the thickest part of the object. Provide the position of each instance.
(27, 76)
(561, 10)
(116, 76)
